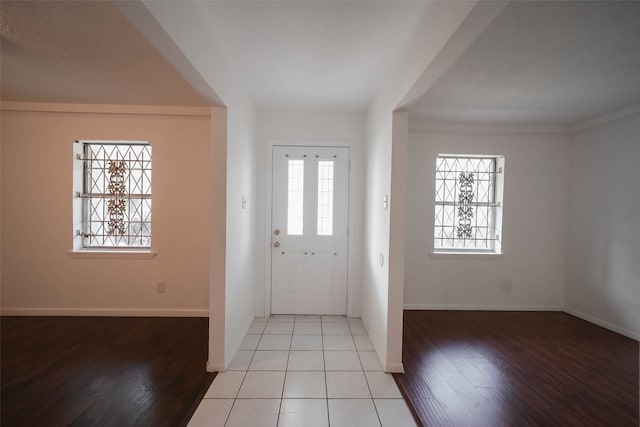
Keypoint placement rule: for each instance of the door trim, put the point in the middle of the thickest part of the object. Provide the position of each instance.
(351, 286)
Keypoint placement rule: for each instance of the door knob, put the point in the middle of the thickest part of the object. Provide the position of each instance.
(276, 244)
(276, 231)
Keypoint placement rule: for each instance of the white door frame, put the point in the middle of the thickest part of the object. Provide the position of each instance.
(353, 256)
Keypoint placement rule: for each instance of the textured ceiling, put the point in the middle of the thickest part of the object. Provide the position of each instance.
(83, 52)
(538, 62)
(543, 63)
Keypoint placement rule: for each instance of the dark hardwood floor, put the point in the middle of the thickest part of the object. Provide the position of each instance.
(471, 368)
(102, 371)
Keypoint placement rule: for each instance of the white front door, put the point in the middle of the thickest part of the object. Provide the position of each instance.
(309, 230)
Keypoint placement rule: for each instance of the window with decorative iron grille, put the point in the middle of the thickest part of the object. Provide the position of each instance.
(468, 198)
(116, 194)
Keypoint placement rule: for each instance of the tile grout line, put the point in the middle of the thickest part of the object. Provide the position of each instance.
(324, 362)
(226, 420)
(366, 378)
(244, 377)
(286, 372)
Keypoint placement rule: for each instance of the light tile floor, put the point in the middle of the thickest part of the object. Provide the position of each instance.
(304, 371)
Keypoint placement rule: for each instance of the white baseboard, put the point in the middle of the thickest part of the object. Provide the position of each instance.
(603, 323)
(112, 312)
(394, 368)
(482, 307)
(214, 367)
(235, 350)
(569, 310)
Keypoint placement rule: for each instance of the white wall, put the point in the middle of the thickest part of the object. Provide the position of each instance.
(534, 224)
(165, 28)
(397, 238)
(1, 192)
(242, 232)
(603, 253)
(218, 244)
(382, 288)
(39, 276)
(278, 127)
(375, 261)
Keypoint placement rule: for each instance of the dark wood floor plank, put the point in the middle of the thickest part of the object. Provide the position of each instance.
(62, 371)
(471, 368)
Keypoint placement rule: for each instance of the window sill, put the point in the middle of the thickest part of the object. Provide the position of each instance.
(466, 255)
(107, 254)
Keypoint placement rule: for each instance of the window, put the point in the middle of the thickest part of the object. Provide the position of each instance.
(468, 199)
(325, 197)
(295, 198)
(116, 194)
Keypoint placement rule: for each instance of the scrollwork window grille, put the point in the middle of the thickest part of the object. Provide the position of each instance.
(465, 209)
(116, 197)
(116, 204)
(465, 203)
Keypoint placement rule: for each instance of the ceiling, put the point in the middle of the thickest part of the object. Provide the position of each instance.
(543, 63)
(83, 52)
(318, 54)
(553, 62)
(312, 54)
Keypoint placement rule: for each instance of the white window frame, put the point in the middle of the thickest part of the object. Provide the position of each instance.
(80, 208)
(496, 214)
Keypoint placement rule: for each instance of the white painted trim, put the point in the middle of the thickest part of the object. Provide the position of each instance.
(107, 312)
(425, 125)
(115, 254)
(606, 118)
(352, 306)
(603, 323)
(460, 256)
(268, 202)
(226, 363)
(482, 307)
(154, 110)
(486, 128)
(568, 310)
(394, 368)
(213, 367)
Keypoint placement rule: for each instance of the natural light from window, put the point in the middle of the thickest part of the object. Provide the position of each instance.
(467, 203)
(116, 196)
(325, 197)
(295, 198)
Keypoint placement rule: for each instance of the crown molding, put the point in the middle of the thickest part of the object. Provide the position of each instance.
(154, 110)
(606, 118)
(476, 127)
